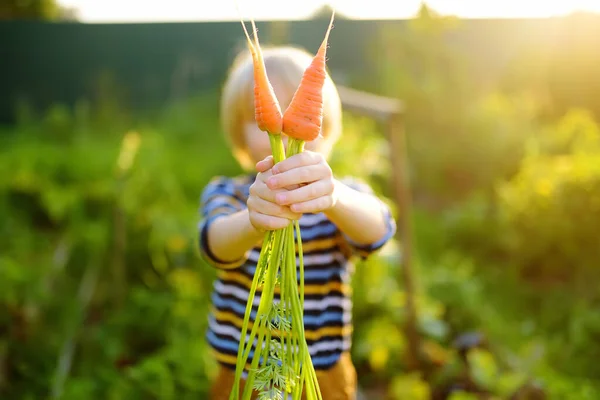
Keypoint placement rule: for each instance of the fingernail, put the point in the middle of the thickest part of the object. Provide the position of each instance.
(272, 182)
(280, 198)
(274, 170)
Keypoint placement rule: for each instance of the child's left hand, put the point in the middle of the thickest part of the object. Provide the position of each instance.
(309, 179)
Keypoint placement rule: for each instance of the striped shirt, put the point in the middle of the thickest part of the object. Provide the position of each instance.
(328, 268)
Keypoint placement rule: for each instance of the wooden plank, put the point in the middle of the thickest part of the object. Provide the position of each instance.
(377, 107)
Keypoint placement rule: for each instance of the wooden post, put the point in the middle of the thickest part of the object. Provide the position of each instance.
(390, 112)
(401, 184)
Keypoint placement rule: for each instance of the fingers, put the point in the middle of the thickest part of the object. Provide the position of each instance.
(298, 160)
(264, 213)
(256, 204)
(314, 205)
(264, 222)
(305, 193)
(282, 192)
(265, 165)
(263, 176)
(259, 189)
(298, 176)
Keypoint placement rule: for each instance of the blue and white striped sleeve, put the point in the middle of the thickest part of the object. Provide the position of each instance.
(365, 250)
(219, 198)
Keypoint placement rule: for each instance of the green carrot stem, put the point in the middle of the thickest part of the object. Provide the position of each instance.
(267, 292)
(310, 389)
(298, 393)
(282, 306)
(261, 264)
(313, 379)
(277, 148)
(296, 146)
(291, 273)
(269, 285)
(306, 360)
(250, 381)
(264, 353)
(265, 302)
(301, 262)
(291, 338)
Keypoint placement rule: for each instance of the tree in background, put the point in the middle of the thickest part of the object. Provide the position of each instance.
(34, 10)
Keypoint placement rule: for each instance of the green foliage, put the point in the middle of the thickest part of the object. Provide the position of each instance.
(535, 238)
(552, 200)
(544, 216)
(506, 215)
(99, 255)
(462, 139)
(28, 9)
(410, 387)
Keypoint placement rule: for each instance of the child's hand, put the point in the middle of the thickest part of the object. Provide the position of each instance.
(265, 214)
(308, 180)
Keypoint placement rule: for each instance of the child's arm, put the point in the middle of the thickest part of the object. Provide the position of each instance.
(361, 216)
(225, 233)
(229, 238)
(230, 227)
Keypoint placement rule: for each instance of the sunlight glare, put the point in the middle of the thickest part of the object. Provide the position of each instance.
(224, 10)
(513, 8)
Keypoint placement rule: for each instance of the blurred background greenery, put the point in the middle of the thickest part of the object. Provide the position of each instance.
(103, 294)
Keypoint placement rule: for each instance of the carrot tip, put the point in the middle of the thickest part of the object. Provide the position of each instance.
(304, 115)
(267, 110)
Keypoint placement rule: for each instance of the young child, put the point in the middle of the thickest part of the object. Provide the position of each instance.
(338, 218)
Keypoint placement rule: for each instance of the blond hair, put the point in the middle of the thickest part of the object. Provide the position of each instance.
(285, 66)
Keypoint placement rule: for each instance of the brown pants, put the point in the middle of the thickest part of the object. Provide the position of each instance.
(337, 383)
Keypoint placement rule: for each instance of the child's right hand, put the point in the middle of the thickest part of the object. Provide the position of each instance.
(265, 214)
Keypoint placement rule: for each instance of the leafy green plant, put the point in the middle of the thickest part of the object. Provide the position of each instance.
(104, 296)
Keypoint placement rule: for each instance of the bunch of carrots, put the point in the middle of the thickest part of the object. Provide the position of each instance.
(281, 364)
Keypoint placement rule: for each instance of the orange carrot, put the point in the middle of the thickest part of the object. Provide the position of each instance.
(304, 116)
(267, 111)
